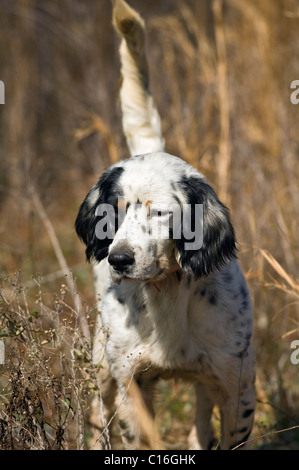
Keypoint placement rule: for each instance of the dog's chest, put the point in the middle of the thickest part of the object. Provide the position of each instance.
(169, 329)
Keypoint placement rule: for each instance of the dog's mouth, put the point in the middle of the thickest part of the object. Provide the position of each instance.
(154, 280)
(118, 276)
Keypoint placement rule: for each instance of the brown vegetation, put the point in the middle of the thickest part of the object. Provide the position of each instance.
(221, 72)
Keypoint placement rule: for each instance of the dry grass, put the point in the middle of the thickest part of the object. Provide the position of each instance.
(222, 86)
(47, 381)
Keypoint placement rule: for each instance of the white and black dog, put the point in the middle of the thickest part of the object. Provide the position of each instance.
(167, 309)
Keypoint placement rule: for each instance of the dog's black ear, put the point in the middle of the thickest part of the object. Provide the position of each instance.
(107, 192)
(218, 245)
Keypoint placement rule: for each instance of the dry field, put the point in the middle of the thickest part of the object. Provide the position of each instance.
(221, 73)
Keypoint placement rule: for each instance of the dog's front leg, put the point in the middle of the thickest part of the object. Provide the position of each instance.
(128, 419)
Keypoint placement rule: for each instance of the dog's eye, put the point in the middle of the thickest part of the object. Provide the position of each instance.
(158, 213)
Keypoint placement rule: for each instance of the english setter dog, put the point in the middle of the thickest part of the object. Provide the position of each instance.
(168, 307)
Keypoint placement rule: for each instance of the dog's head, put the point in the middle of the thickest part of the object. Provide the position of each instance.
(154, 214)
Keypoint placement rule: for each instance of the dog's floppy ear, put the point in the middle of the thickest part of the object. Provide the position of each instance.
(106, 191)
(218, 244)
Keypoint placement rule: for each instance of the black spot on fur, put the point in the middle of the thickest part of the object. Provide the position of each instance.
(161, 271)
(115, 292)
(244, 344)
(129, 436)
(138, 157)
(241, 441)
(227, 277)
(245, 429)
(239, 431)
(245, 403)
(120, 300)
(200, 292)
(188, 281)
(123, 424)
(241, 354)
(212, 443)
(244, 296)
(139, 303)
(213, 298)
(248, 412)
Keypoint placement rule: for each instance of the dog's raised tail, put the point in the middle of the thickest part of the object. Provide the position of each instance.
(140, 118)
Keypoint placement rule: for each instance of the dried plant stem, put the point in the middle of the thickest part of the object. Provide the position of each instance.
(278, 215)
(80, 320)
(266, 435)
(224, 139)
(62, 262)
(96, 124)
(279, 269)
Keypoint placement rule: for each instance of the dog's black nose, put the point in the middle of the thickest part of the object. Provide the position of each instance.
(120, 261)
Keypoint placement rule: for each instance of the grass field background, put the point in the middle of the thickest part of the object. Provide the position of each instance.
(221, 73)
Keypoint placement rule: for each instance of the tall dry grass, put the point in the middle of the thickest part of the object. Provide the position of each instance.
(220, 72)
(48, 380)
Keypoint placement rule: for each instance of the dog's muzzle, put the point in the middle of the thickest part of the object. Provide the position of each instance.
(121, 260)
